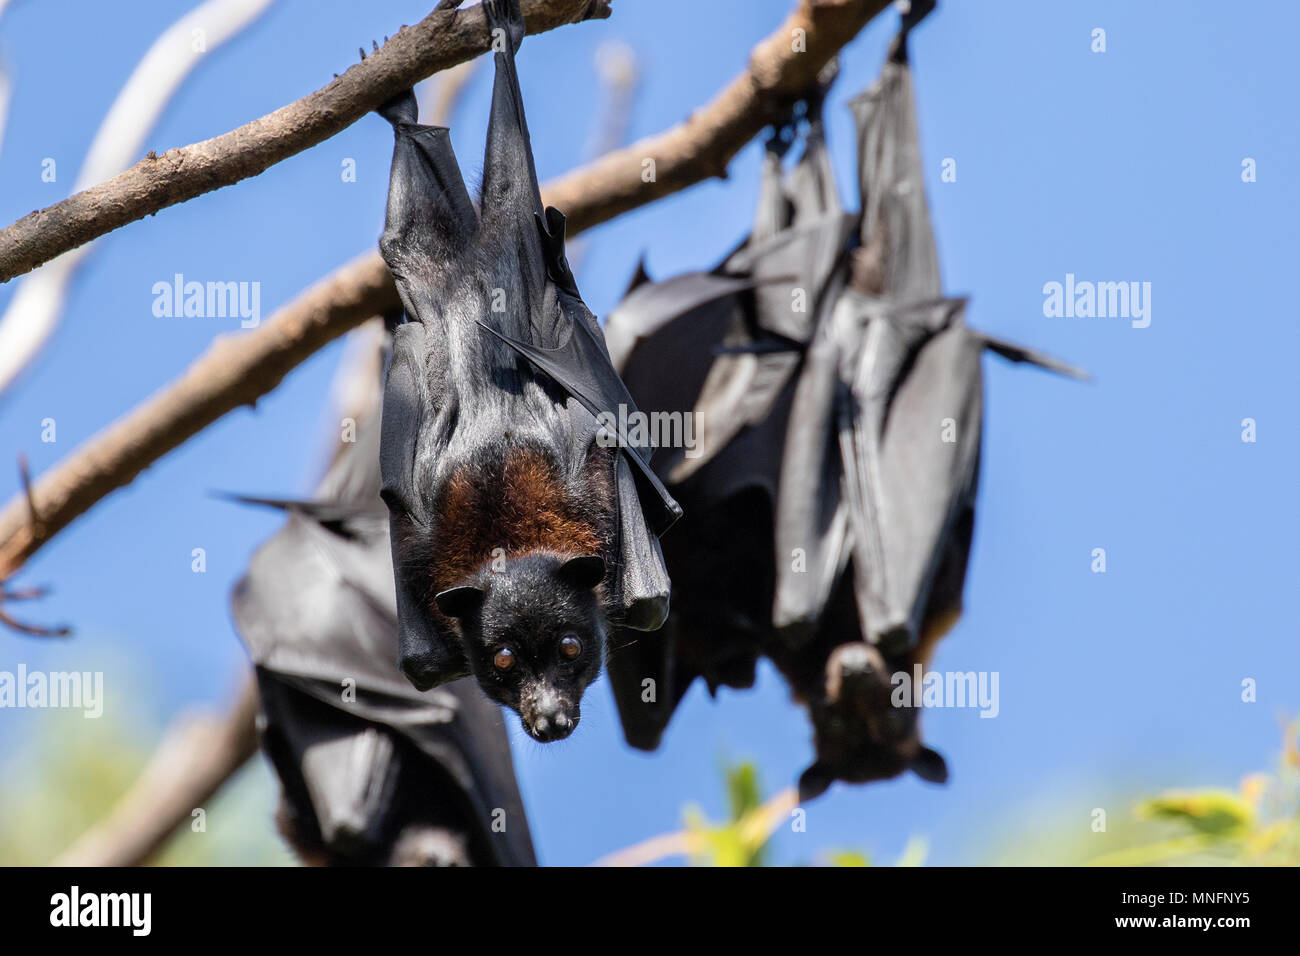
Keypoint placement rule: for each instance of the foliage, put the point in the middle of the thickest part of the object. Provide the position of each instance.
(72, 771)
(742, 840)
(1256, 825)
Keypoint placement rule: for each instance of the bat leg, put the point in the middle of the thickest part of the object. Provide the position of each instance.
(510, 189)
(430, 216)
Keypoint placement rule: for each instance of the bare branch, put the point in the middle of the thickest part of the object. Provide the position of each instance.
(234, 371)
(703, 145)
(196, 757)
(237, 371)
(34, 311)
(620, 74)
(441, 40)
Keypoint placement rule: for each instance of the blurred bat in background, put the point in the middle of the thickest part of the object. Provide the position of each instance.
(373, 771)
(838, 403)
(522, 527)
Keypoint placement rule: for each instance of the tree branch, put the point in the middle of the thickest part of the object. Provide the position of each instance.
(237, 371)
(38, 303)
(704, 144)
(234, 371)
(441, 40)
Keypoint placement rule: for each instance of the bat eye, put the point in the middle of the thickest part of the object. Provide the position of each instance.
(504, 659)
(570, 646)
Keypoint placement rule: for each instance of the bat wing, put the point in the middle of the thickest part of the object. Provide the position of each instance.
(721, 559)
(697, 325)
(317, 602)
(791, 270)
(1018, 353)
(895, 219)
(654, 314)
(365, 781)
(710, 552)
(910, 442)
(317, 613)
(640, 669)
(582, 367)
(812, 520)
(474, 753)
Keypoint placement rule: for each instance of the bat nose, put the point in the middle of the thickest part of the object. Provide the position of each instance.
(420, 670)
(555, 725)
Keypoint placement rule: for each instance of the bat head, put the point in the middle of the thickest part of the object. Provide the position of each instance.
(425, 845)
(533, 634)
(860, 734)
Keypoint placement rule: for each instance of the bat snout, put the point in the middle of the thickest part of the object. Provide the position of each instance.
(554, 727)
(546, 717)
(855, 670)
(420, 669)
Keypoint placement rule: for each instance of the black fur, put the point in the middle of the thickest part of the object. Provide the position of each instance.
(500, 611)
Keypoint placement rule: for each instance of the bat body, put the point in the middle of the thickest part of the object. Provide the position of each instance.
(522, 529)
(373, 772)
(839, 397)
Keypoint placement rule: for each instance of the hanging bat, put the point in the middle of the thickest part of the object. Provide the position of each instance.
(372, 771)
(848, 445)
(734, 343)
(522, 528)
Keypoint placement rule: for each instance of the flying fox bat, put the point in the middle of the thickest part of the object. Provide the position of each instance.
(523, 524)
(372, 771)
(839, 413)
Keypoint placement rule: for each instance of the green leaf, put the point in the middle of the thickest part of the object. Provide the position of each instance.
(1218, 813)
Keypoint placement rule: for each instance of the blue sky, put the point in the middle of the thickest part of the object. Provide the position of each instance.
(1115, 166)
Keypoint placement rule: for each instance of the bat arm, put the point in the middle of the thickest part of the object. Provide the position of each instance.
(1017, 353)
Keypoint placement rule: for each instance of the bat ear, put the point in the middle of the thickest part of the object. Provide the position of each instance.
(583, 573)
(814, 781)
(457, 602)
(930, 766)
